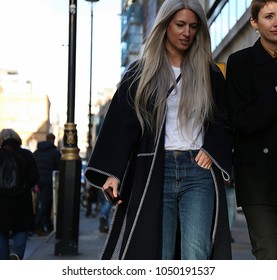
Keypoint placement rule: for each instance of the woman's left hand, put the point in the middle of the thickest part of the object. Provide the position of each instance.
(203, 160)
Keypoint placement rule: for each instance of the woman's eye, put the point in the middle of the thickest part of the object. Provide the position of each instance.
(268, 16)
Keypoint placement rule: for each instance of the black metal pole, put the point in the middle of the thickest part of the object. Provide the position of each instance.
(67, 225)
(90, 115)
(90, 125)
(71, 60)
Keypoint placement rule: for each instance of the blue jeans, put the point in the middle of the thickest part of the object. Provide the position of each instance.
(188, 200)
(105, 208)
(19, 240)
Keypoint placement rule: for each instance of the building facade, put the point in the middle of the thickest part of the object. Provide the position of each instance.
(22, 110)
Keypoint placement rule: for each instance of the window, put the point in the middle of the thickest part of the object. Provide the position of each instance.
(232, 13)
(226, 19)
(211, 2)
(241, 8)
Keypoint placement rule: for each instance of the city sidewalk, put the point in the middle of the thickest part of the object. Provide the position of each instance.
(241, 248)
(91, 242)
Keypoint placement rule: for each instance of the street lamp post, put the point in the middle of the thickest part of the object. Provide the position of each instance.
(90, 115)
(67, 227)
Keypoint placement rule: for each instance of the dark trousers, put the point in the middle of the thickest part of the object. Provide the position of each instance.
(262, 227)
(43, 215)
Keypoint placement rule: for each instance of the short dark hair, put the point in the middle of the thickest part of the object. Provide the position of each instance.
(50, 137)
(256, 6)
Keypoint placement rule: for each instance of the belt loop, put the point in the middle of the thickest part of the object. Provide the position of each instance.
(190, 154)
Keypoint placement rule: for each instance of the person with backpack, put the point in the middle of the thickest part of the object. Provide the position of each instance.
(18, 175)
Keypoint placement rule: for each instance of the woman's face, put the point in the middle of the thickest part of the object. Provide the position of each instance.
(181, 31)
(267, 23)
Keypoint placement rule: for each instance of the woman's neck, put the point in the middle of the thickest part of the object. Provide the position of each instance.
(174, 58)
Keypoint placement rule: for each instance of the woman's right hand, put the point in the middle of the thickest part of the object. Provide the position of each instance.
(112, 183)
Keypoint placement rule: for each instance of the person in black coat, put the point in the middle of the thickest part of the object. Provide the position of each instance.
(47, 158)
(16, 209)
(252, 98)
(165, 144)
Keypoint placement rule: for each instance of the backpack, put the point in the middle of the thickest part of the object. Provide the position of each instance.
(11, 175)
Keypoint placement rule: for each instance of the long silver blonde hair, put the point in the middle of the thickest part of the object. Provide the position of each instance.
(157, 76)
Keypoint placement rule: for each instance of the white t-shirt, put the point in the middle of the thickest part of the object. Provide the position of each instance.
(175, 138)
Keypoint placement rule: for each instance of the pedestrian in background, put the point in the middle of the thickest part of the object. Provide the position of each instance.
(165, 147)
(47, 158)
(16, 206)
(252, 97)
(104, 219)
(231, 203)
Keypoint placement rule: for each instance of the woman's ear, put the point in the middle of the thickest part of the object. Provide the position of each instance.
(254, 24)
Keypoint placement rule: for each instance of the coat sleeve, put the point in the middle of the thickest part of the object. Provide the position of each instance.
(252, 111)
(117, 139)
(218, 136)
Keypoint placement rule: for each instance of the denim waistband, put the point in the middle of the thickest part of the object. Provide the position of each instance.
(178, 153)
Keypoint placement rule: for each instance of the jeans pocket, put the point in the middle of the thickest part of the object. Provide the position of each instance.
(198, 166)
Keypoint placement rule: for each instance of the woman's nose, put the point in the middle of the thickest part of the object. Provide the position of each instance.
(186, 31)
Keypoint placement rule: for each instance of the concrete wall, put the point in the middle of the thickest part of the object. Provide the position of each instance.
(244, 38)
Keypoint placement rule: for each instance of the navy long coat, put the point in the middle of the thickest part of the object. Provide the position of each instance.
(138, 163)
(252, 98)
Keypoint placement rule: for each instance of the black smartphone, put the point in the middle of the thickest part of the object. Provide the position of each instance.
(108, 193)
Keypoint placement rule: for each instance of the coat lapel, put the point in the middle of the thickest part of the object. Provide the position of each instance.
(264, 60)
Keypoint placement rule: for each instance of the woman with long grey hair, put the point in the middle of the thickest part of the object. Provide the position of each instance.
(164, 149)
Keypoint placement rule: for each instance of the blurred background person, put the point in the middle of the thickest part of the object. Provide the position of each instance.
(47, 158)
(16, 206)
(104, 219)
(231, 203)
